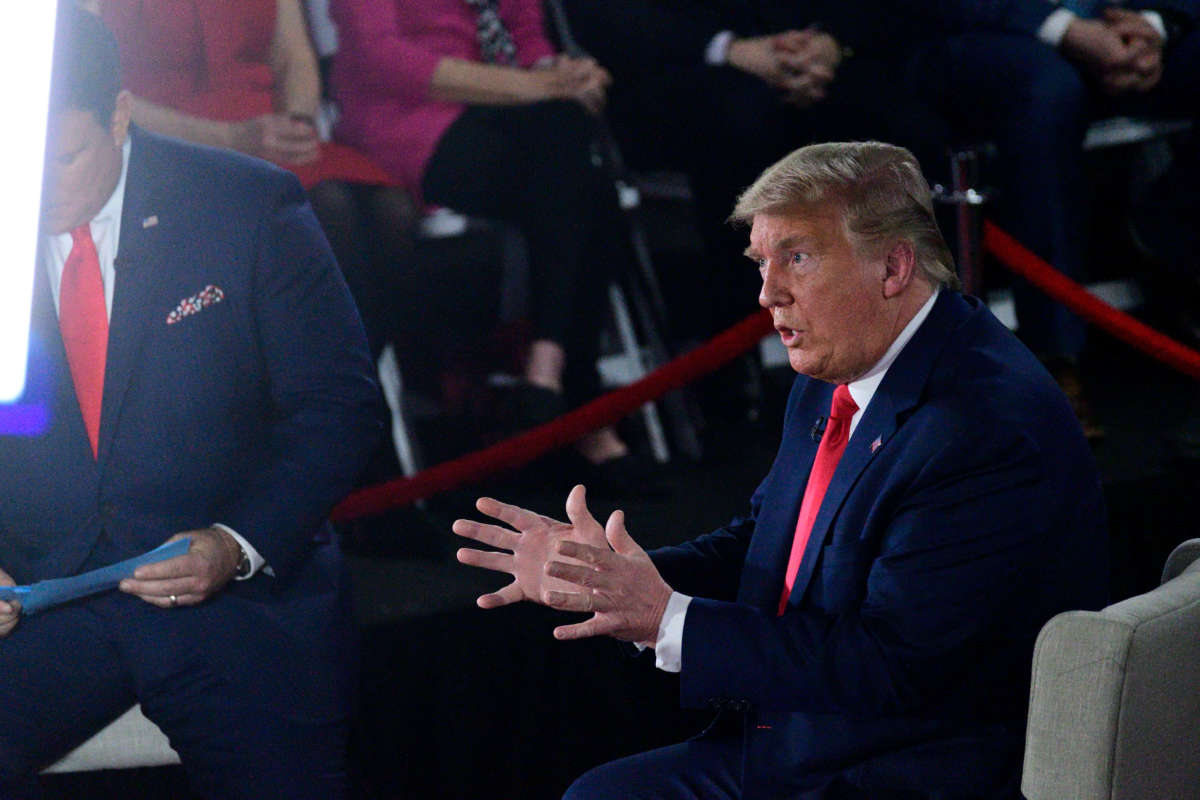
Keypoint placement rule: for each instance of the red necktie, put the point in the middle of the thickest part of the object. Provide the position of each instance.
(83, 320)
(829, 452)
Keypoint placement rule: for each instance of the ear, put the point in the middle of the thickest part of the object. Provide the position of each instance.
(900, 268)
(121, 117)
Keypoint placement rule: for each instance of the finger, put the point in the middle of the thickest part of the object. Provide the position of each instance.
(618, 536)
(500, 562)
(508, 595)
(577, 510)
(164, 588)
(514, 515)
(581, 630)
(573, 573)
(584, 552)
(492, 535)
(820, 74)
(180, 600)
(579, 602)
(176, 567)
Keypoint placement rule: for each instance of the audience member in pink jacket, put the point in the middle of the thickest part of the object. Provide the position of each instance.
(466, 103)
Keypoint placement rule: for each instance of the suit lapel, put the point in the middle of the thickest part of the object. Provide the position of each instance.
(132, 312)
(901, 391)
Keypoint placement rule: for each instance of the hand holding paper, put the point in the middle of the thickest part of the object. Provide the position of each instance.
(190, 578)
(47, 594)
(10, 610)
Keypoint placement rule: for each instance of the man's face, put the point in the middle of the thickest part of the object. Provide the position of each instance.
(83, 166)
(828, 301)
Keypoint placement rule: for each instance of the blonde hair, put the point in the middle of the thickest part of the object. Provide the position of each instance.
(880, 188)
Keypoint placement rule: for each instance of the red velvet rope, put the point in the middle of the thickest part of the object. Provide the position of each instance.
(606, 410)
(523, 448)
(1034, 269)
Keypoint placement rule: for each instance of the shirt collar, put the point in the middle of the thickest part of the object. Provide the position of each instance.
(863, 389)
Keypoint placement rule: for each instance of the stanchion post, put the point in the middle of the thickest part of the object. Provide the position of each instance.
(966, 198)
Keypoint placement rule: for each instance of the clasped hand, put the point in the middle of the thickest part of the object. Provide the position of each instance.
(579, 79)
(278, 137)
(800, 62)
(1122, 51)
(575, 566)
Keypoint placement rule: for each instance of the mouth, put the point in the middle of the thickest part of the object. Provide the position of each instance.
(789, 336)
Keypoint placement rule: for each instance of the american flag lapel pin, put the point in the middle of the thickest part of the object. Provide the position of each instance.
(878, 443)
(150, 221)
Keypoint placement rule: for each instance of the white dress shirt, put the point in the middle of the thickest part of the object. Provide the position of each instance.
(668, 649)
(1055, 27)
(106, 234)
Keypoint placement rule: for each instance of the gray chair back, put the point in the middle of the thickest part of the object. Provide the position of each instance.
(1114, 708)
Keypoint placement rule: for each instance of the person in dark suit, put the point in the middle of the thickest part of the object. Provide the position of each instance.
(752, 80)
(866, 628)
(210, 378)
(1031, 75)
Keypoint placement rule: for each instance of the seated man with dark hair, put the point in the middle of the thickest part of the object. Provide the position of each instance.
(866, 629)
(210, 378)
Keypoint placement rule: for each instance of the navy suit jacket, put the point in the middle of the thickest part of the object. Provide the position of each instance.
(965, 511)
(257, 411)
(1012, 16)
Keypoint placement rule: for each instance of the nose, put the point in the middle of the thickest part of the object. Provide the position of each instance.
(773, 292)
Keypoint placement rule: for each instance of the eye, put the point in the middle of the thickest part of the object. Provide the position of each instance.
(799, 258)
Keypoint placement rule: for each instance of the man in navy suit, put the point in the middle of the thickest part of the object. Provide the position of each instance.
(866, 629)
(210, 378)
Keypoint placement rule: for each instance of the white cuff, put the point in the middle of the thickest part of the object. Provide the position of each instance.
(257, 562)
(1055, 27)
(1155, 20)
(717, 52)
(668, 650)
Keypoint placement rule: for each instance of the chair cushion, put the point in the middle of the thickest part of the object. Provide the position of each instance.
(131, 740)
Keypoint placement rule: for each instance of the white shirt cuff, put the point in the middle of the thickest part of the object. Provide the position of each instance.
(717, 52)
(1055, 27)
(257, 562)
(1156, 22)
(668, 650)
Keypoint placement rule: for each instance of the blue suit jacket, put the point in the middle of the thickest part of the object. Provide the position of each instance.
(258, 412)
(964, 513)
(1012, 16)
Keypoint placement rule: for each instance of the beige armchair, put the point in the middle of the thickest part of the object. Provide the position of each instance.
(1114, 708)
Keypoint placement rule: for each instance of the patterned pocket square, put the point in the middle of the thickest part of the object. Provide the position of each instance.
(196, 303)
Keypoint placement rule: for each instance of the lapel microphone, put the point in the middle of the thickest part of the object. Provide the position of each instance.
(818, 429)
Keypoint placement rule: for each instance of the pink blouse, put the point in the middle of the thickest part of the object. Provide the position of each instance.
(386, 58)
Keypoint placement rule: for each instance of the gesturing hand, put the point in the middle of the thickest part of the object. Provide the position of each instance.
(530, 547)
(210, 562)
(10, 613)
(621, 587)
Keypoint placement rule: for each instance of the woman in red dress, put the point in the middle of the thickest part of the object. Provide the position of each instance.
(242, 74)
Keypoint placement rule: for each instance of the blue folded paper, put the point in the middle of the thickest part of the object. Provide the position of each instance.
(46, 594)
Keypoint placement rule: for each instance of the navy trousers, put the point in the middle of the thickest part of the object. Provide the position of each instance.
(69, 671)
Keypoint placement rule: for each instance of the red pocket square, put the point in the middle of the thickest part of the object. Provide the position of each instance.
(196, 303)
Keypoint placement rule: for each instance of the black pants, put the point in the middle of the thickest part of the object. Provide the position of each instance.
(531, 166)
(370, 231)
